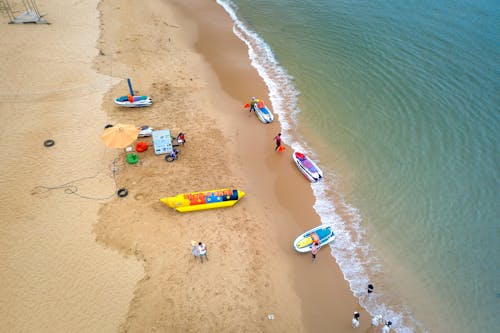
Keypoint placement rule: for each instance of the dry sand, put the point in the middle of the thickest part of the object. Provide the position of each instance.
(55, 276)
(58, 82)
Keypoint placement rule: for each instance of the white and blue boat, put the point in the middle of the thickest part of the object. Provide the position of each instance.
(134, 101)
(322, 234)
(263, 113)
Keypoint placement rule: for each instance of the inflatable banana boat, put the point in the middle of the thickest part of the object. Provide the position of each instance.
(188, 202)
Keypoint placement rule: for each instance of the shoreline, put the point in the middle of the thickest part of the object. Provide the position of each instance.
(175, 282)
(223, 49)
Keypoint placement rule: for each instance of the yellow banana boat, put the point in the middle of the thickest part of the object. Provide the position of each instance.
(187, 202)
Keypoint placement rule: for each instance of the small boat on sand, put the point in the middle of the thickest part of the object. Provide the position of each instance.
(261, 110)
(322, 234)
(263, 113)
(308, 168)
(134, 101)
(192, 201)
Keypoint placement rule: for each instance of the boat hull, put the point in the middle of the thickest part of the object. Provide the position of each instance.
(303, 243)
(139, 101)
(308, 168)
(193, 201)
(264, 114)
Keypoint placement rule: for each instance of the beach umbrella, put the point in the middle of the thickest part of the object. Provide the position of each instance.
(120, 135)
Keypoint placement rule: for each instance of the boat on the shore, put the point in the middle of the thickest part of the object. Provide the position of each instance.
(134, 101)
(322, 234)
(192, 201)
(308, 168)
(263, 113)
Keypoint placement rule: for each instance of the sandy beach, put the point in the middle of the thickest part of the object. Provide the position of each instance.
(93, 262)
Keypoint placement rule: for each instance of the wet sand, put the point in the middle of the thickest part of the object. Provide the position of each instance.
(185, 56)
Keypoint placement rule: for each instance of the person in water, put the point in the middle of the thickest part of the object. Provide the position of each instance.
(370, 288)
(387, 327)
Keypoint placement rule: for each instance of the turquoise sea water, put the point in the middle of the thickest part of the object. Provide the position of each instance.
(398, 101)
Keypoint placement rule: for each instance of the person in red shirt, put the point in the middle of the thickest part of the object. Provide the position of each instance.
(181, 139)
(277, 138)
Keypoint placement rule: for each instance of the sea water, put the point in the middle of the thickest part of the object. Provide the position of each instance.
(398, 102)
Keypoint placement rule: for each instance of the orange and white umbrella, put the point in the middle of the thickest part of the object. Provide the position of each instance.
(120, 135)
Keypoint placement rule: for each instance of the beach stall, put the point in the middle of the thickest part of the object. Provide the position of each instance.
(162, 142)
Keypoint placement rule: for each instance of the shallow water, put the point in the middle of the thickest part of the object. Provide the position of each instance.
(398, 102)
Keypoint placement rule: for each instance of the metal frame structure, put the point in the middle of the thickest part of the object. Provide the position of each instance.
(31, 15)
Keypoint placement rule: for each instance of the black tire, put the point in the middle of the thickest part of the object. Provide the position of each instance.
(169, 158)
(123, 192)
(49, 143)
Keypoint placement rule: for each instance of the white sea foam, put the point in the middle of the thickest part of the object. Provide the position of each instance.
(282, 92)
(350, 250)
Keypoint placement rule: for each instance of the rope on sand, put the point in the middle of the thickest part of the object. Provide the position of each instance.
(70, 188)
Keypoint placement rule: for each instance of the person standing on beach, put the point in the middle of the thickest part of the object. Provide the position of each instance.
(355, 320)
(202, 251)
(253, 103)
(181, 138)
(277, 138)
(194, 249)
(314, 250)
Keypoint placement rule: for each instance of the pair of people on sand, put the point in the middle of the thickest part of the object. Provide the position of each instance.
(199, 250)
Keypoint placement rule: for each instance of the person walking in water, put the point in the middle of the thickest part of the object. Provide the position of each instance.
(370, 288)
(355, 320)
(387, 327)
(202, 251)
(277, 138)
